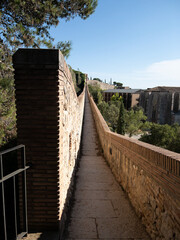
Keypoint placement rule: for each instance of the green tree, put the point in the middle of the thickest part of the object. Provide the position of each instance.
(134, 121)
(116, 97)
(104, 108)
(7, 111)
(78, 80)
(99, 97)
(117, 84)
(121, 120)
(112, 116)
(65, 47)
(110, 113)
(27, 22)
(164, 136)
(96, 93)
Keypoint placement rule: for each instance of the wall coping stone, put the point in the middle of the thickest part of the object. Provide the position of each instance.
(31, 57)
(164, 153)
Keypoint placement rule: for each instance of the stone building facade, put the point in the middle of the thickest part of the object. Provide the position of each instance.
(130, 96)
(161, 104)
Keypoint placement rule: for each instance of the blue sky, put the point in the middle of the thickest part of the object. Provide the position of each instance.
(136, 42)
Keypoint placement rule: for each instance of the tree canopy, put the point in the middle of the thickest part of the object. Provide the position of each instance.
(118, 84)
(27, 22)
(133, 122)
(164, 136)
(96, 92)
(116, 97)
(121, 120)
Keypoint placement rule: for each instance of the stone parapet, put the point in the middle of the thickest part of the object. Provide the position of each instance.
(150, 175)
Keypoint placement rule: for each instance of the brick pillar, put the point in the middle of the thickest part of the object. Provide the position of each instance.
(37, 101)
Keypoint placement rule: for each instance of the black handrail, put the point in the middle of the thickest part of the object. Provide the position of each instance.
(13, 175)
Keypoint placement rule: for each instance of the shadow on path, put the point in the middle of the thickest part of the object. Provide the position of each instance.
(101, 209)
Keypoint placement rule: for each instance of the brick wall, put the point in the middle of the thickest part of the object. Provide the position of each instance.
(150, 176)
(49, 121)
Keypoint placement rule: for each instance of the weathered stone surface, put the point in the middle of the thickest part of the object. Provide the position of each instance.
(43, 236)
(82, 228)
(161, 104)
(101, 209)
(149, 175)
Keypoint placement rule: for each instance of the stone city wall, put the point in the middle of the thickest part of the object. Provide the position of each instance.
(49, 122)
(150, 176)
(70, 126)
(161, 107)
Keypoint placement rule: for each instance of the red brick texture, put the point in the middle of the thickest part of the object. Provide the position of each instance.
(40, 76)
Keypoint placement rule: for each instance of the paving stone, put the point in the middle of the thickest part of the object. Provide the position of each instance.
(82, 228)
(119, 228)
(101, 209)
(97, 186)
(96, 194)
(93, 208)
(93, 177)
(42, 236)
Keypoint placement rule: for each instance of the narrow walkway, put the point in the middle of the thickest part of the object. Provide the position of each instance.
(101, 209)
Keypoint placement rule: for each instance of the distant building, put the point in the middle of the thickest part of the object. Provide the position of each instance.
(130, 96)
(161, 104)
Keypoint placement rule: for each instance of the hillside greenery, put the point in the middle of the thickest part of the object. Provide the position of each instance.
(8, 108)
(78, 79)
(121, 120)
(7, 111)
(134, 122)
(164, 136)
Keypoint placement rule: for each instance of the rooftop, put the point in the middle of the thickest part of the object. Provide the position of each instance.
(164, 89)
(124, 90)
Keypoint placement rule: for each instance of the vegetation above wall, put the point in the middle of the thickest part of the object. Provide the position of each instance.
(27, 24)
(7, 103)
(78, 79)
(134, 122)
(7, 110)
(164, 136)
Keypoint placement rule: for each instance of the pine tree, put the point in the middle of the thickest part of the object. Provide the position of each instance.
(121, 120)
(27, 22)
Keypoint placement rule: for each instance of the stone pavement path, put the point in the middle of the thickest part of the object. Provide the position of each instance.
(101, 209)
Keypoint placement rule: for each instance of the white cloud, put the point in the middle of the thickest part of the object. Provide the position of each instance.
(165, 70)
(164, 73)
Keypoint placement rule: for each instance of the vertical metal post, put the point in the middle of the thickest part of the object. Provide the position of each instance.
(25, 191)
(22, 171)
(3, 200)
(15, 212)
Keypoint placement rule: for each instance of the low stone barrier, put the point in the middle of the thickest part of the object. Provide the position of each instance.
(150, 175)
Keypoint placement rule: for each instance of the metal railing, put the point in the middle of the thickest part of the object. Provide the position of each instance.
(4, 177)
